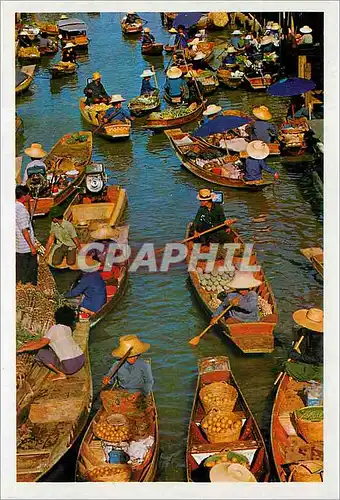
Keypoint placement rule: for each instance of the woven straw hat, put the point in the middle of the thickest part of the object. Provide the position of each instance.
(105, 233)
(96, 75)
(147, 30)
(127, 341)
(231, 473)
(174, 73)
(117, 98)
(35, 151)
(305, 30)
(212, 109)
(262, 113)
(147, 73)
(69, 45)
(231, 49)
(243, 279)
(237, 32)
(172, 30)
(258, 150)
(310, 318)
(267, 39)
(204, 194)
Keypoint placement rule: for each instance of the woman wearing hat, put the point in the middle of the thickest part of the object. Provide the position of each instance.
(134, 375)
(255, 164)
(307, 37)
(311, 323)
(172, 39)
(63, 237)
(68, 53)
(243, 300)
(36, 153)
(181, 40)
(95, 91)
(148, 38)
(211, 113)
(230, 58)
(116, 112)
(261, 129)
(175, 86)
(237, 40)
(147, 88)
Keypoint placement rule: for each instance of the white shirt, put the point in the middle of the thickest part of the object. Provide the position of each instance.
(62, 343)
(22, 221)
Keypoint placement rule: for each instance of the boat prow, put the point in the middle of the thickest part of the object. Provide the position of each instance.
(315, 257)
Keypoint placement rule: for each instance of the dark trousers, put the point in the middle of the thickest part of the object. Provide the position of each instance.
(219, 236)
(26, 268)
(59, 254)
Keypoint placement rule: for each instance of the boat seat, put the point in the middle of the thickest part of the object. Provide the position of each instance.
(110, 292)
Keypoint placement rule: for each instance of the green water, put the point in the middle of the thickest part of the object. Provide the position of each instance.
(162, 198)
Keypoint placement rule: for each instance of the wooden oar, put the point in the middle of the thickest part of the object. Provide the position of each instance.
(114, 370)
(296, 347)
(155, 76)
(196, 340)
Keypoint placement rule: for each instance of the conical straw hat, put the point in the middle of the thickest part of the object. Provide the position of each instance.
(35, 151)
(204, 195)
(310, 318)
(262, 113)
(306, 29)
(233, 473)
(258, 150)
(127, 341)
(212, 109)
(174, 72)
(243, 279)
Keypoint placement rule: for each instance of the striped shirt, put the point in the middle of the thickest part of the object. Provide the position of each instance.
(22, 221)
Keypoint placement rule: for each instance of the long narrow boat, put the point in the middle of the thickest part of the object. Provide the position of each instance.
(258, 82)
(63, 69)
(250, 338)
(189, 151)
(250, 447)
(92, 454)
(70, 154)
(152, 49)
(288, 449)
(24, 78)
(30, 54)
(142, 105)
(207, 79)
(155, 121)
(132, 29)
(50, 414)
(315, 257)
(225, 77)
(115, 130)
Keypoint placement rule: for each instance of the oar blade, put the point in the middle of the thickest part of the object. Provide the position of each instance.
(195, 341)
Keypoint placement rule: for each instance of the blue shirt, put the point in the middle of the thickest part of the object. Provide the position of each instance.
(253, 169)
(229, 59)
(261, 131)
(115, 114)
(135, 377)
(93, 287)
(174, 86)
(245, 311)
(147, 88)
(235, 41)
(181, 40)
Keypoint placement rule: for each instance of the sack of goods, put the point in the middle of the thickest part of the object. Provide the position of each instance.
(221, 426)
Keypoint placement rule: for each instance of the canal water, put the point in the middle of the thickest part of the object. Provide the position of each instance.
(160, 307)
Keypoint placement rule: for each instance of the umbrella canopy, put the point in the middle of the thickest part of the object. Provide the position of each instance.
(221, 124)
(187, 19)
(291, 86)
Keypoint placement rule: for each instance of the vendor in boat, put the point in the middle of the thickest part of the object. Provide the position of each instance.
(175, 86)
(198, 63)
(209, 214)
(172, 39)
(181, 40)
(57, 349)
(243, 300)
(44, 41)
(63, 237)
(307, 37)
(261, 129)
(147, 89)
(255, 163)
(95, 91)
(195, 89)
(230, 58)
(116, 112)
(36, 154)
(25, 243)
(236, 39)
(311, 323)
(131, 17)
(135, 375)
(211, 113)
(68, 53)
(148, 38)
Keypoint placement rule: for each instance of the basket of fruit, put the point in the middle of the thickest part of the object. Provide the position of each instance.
(219, 395)
(308, 471)
(229, 457)
(309, 423)
(116, 473)
(111, 428)
(119, 401)
(221, 426)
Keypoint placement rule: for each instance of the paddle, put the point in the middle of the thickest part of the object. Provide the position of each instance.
(155, 76)
(195, 340)
(296, 347)
(114, 370)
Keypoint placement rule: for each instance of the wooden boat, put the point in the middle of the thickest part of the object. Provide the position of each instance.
(91, 448)
(288, 449)
(75, 31)
(69, 156)
(155, 122)
(207, 79)
(48, 28)
(29, 53)
(251, 338)
(185, 144)
(63, 69)
(250, 444)
(258, 82)
(132, 29)
(315, 257)
(24, 78)
(174, 101)
(207, 48)
(114, 130)
(152, 49)
(142, 105)
(169, 48)
(293, 136)
(224, 76)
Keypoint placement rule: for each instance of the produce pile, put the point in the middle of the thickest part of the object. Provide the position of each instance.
(222, 426)
(218, 396)
(29, 52)
(97, 107)
(229, 457)
(64, 65)
(264, 307)
(171, 113)
(311, 414)
(110, 472)
(215, 282)
(203, 153)
(111, 433)
(76, 138)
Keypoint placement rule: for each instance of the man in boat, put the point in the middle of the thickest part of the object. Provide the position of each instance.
(209, 214)
(135, 375)
(44, 41)
(261, 129)
(237, 40)
(57, 349)
(181, 40)
(116, 112)
(255, 163)
(244, 301)
(68, 53)
(147, 89)
(307, 37)
(36, 153)
(230, 58)
(95, 91)
(148, 38)
(64, 238)
(311, 323)
(175, 86)
(131, 17)
(25, 243)
(195, 89)
(211, 113)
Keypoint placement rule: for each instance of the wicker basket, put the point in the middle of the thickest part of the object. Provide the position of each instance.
(307, 472)
(118, 130)
(309, 430)
(117, 473)
(223, 396)
(118, 401)
(227, 435)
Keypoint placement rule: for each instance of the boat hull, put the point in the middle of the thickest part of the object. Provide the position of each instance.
(175, 122)
(110, 131)
(155, 49)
